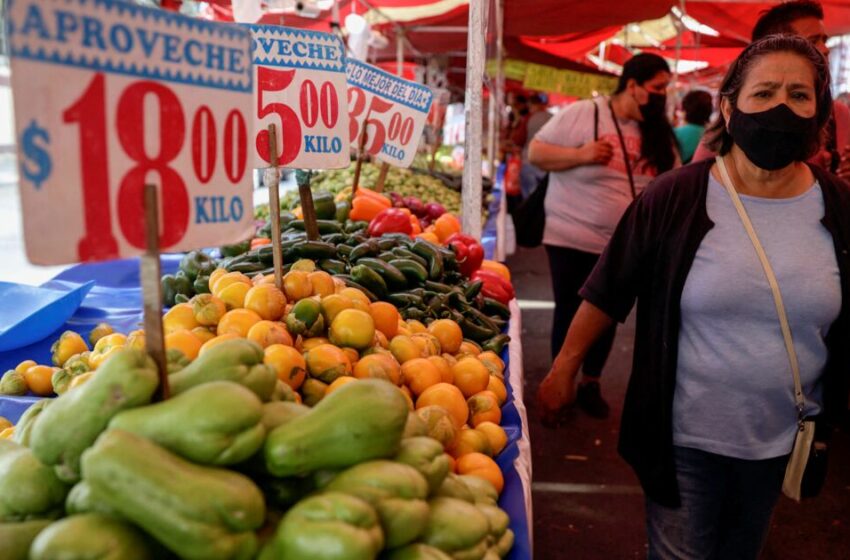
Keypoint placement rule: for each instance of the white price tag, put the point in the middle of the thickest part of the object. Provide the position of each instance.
(110, 96)
(300, 77)
(392, 109)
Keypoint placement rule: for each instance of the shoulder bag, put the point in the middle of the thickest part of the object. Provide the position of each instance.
(806, 470)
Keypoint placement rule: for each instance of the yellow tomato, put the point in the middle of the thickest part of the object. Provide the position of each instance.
(80, 379)
(69, 344)
(267, 301)
(185, 341)
(227, 279)
(327, 362)
(358, 298)
(322, 283)
(179, 317)
(307, 344)
(39, 379)
(215, 276)
(386, 317)
(207, 309)
(404, 349)
(353, 328)
(234, 294)
(136, 340)
(297, 285)
(448, 333)
(333, 304)
(288, 363)
(416, 327)
(25, 365)
(266, 333)
(339, 382)
(238, 322)
(203, 334)
(428, 344)
(216, 341)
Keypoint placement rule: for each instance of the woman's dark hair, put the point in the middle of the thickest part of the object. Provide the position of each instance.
(718, 138)
(779, 18)
(697, 106)
(657, 139)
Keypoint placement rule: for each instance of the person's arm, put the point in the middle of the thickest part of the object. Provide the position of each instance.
(550, 157)
(558, 387)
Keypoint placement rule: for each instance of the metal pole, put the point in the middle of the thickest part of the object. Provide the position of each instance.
(501, 221)
(471, 194)
(399, 53)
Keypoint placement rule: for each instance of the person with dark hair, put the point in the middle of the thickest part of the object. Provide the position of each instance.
(697, 107)
(600, 154)
(740, 267)
(530, 175)
(804, 18)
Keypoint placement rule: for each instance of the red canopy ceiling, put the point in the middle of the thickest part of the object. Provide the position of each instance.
(736, 19)
(554, 17)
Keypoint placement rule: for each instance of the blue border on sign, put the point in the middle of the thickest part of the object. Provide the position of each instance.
(395, 78)
(337, 65)
(223, 30)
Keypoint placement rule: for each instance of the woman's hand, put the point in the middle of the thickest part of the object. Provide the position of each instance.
(556, 391)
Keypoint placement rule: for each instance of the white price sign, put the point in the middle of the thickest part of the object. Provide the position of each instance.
(392, 109)
(300, 77)
(110, 96)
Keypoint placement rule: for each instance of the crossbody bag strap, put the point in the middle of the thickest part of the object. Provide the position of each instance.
(595, 121)
(771, 280)
(625, 152)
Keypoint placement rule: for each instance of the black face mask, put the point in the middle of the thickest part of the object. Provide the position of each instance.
(655, 107)
(775, 138)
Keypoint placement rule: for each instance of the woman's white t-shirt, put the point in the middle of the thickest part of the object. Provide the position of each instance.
(585, 203)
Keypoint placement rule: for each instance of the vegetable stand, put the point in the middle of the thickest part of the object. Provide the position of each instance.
(116, 299)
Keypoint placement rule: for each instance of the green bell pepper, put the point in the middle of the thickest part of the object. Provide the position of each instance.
(174, 284)
(197, 263)
(329, 526)
(396, 491)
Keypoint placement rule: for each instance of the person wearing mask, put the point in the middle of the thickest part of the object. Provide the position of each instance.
(711, 411)
(804, 18)
(530, 175)
(697, 108)
(600, 154)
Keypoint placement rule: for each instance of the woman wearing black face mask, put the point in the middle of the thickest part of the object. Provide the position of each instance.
(600, 153)
(741, 274)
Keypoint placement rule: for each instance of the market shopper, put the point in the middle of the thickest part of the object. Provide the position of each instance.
(600, 154)
(710, 417)
(805, 19)
(530, 174)
(697, 107)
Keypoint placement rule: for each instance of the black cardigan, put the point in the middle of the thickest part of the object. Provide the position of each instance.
(648, 259)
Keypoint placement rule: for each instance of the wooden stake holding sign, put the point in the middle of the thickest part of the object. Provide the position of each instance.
(152, 293)
(303, 177)
(382, 177)
(360, 149)
(271, 177)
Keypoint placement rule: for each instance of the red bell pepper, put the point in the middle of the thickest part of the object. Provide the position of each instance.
(470, 253)
(390, 220)
(495, 286)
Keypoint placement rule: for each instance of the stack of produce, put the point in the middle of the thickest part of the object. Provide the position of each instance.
(425, 186)
(307, 422)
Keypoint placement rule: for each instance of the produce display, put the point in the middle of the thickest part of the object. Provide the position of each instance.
(437, 186)
(381, 249)
(312, 421)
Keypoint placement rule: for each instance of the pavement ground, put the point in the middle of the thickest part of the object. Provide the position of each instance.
(587, 502)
